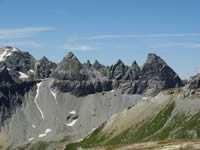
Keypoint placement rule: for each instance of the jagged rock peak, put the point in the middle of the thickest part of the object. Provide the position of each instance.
(97, 65)
(119, 62)
(44, 58)
(88, 64)
(44, 68)
(153, 58)
(6, 51)
(70, 55)
(134, 64)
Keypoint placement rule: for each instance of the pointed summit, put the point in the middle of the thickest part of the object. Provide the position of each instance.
(119, 62)
(44, 68)
(70, 68)
(117, 71)
(97, 65)
(156, 72)
(133, 72)
(70, 55)
(134, 65)
(153, 58)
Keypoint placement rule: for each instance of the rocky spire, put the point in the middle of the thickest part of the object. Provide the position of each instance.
(117, 71)
(70, 68)
(156, 72)
(44, 68)
(98, 66)
(133, 72)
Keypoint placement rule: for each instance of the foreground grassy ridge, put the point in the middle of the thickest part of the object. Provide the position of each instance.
(92, 141)
(143, 130)
(37, 146)
(129, 136)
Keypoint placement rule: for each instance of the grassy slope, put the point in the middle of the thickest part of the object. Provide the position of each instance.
(160, 127)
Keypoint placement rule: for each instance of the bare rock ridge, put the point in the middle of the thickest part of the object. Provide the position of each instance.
(83, 79)
(154, 76)
(20, 72)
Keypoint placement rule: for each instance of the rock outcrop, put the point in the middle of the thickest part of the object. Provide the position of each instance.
(70, 69)
(44, 68)
(156, 75)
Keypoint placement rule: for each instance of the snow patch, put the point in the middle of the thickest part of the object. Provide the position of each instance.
(71, 123)
(53, 93)
(73, 112)
(45, 134)
(8, 69)
(30, 139)
(31, 71)
(112, 91)
(79, 140)
(33, 126)
(35, 99)
(5, 54)
(22, 75)
(15, 50)
(145, 98)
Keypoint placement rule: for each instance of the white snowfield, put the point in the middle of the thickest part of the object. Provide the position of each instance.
(7, 52)
(73, 112)
(35, 100)
(71, 123)
(45, 134)
(23, 75)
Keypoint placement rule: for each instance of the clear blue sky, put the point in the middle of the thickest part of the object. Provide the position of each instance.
(105, 30)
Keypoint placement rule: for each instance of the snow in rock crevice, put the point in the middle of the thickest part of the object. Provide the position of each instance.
(22, 75)
(45, 134)
(31, 70)
(53, 93)
(35, 100)
(71, 123)
(73, 112)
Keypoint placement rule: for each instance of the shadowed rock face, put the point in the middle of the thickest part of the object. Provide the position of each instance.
(17, 60)
(44, 68)
(11, 94)
(133, 72)
(117, 71)
(70, 69)
(156, 75)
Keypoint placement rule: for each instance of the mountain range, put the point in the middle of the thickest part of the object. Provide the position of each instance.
(71, 105)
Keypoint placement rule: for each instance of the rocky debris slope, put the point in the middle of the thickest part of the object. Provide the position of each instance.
(172, 114)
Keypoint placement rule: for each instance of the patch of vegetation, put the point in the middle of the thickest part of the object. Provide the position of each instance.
(143, 130)
(129, 136)
(40, 146)
(162, 127)
(95, 139)
(181, 127)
